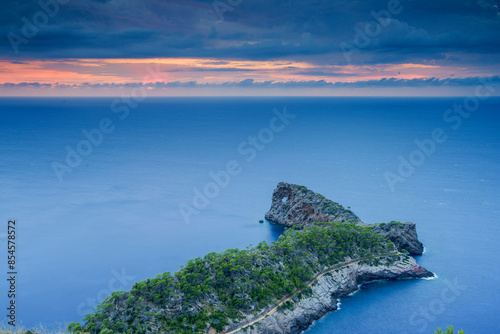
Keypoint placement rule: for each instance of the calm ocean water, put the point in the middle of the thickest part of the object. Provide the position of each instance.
(115, 218)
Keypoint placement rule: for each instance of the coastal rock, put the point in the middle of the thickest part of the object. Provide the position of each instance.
(327, 290)
(296, 206)
(403, 235)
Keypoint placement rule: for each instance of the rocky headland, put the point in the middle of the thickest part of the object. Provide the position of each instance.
(274, 288)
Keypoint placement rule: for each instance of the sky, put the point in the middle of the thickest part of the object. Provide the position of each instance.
(249, 47)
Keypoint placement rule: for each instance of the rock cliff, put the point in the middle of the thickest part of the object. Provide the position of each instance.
(403, 235)
(294, 205)
(297, 206)
(327, 290)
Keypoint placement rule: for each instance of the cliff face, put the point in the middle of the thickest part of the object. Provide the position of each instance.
(294, 205)
(403, 235)
(326, 291)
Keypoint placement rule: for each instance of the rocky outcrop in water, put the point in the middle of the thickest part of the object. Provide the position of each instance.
(296, 206)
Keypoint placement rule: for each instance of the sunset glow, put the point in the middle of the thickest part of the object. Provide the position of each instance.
(311, 48)
(120, 71)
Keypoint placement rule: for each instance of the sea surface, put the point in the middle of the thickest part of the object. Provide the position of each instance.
(121, 209)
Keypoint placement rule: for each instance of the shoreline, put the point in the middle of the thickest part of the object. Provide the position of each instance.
(319, 283)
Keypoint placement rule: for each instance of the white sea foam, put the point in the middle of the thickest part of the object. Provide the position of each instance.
(354, 292)
(435, 276)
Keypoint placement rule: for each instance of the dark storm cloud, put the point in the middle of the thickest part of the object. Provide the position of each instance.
(420, 31)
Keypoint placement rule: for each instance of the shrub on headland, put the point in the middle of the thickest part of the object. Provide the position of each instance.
(449, 330)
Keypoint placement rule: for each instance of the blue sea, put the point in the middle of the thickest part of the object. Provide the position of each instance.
(105, 194)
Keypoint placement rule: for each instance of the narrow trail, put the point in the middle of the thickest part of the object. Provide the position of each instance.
(285, 299)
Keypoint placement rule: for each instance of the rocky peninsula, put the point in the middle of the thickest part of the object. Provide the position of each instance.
(274, 288)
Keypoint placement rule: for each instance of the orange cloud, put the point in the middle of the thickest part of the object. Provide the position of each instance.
(78, 71)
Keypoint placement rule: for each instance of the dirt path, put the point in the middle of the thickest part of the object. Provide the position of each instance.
(285, 299)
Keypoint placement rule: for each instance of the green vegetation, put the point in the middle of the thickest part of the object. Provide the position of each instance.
(220, 288)
(449, 330)
(303, 189)
(389, 226)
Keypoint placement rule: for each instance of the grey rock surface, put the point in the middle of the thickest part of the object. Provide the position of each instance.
(326, 292)
(296, 206)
